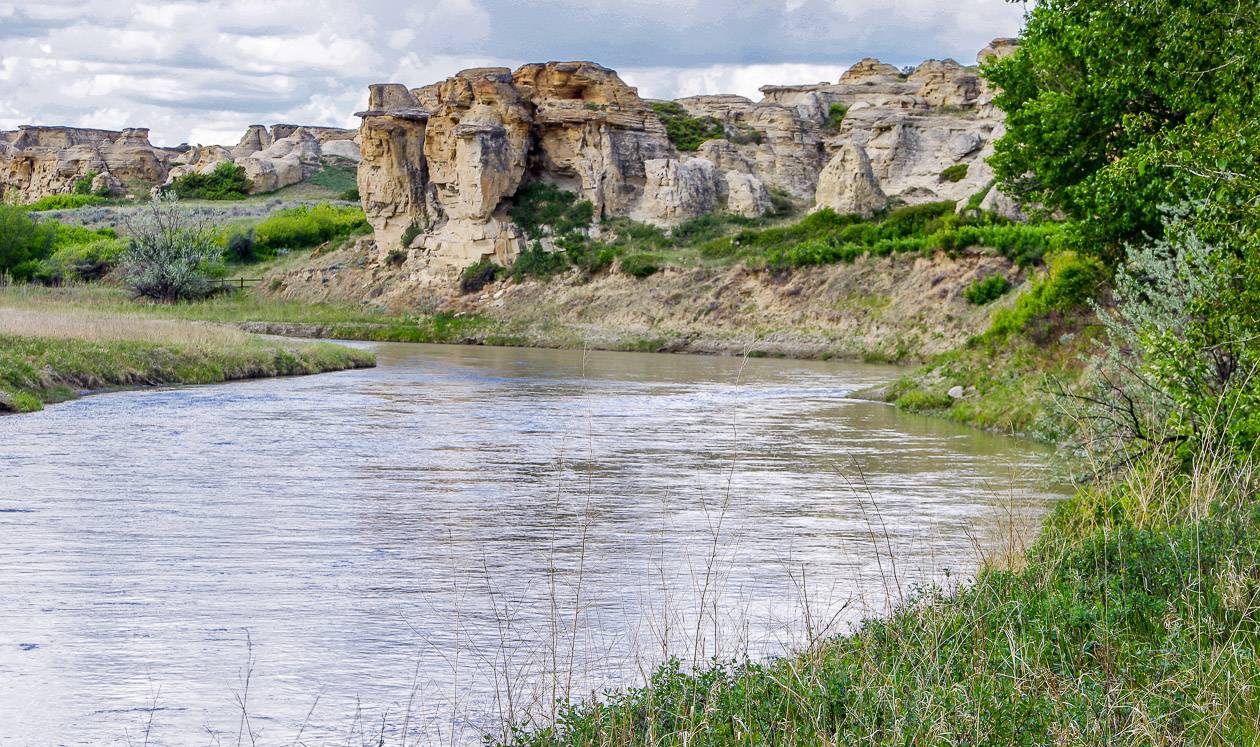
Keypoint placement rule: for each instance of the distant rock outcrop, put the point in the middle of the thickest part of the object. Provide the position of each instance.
(442, 163)
(36, 161)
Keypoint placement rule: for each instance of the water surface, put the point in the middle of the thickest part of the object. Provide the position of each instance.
(459, 531)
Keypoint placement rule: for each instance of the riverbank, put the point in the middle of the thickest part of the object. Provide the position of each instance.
(48, 356)
(1134, 619)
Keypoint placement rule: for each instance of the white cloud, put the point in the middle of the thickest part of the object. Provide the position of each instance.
(201, 70)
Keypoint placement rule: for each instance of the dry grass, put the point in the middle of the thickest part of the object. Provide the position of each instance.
(84, 324)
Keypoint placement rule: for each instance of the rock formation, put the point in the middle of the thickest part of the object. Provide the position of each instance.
(36, 161)
(442, 163)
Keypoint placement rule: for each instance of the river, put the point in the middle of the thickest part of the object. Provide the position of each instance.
(458, 533)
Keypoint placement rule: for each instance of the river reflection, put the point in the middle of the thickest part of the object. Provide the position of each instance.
(454, 529)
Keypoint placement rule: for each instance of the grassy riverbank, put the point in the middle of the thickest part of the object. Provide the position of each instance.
(48, 356)
(1135, 619)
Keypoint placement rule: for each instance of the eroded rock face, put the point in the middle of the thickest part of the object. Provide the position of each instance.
(848, 183)
(39, 161)
(878, 136)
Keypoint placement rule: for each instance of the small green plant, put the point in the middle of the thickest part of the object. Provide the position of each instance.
(687, 133)
(921, 400)
(955, 173)
(987, 290)
(350, 195)
(835, 116)
(1071, 280)
(641, 265)
(538, 262)
(83, 185)
(409, 235)
(226, 182)
(478, 275)
(396, 257)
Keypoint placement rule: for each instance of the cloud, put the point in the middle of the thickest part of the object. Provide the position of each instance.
(198, 69)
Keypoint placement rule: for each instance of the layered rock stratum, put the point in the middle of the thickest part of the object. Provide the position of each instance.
(36, 161)
(441, 163)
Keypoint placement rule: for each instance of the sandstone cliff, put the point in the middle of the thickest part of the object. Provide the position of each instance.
(36, 161)
(442, 163)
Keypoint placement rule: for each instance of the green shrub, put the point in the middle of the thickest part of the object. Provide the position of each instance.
(226, 182)
(541, 210)
(241, 247)
(409, 235)
(987, 290)
(955, 173)
(64, 202)
(1071, 280)
(84, 262)
(169, 251)
(307, 226)
(396, 257)
(538, 262)
(24, 242)
(592, 257)
(478, 275)
(835, 116)
(83, 185)
(687, 133)
(641, 265)
(350, 195)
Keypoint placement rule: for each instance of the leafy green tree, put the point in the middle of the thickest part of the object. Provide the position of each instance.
(1118, 109)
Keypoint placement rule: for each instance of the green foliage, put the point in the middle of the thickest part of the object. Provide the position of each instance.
(686, 132)
(24, 242)
(83, 261)
(955, 173)
(593, 257)
(226, 182)
(396, 257)
(350, 195)
(307, 226)
(543, 210)
(64, 202)
(83, 185)
(168, 252)
(1070, 282)
(987, 290)
(835, 116)
(538, 262)
(641, 265)
(478, 275)
(1115, 110)
(920, 228)
(919, 400)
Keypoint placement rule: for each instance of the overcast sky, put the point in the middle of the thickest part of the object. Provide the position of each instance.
(200, 71)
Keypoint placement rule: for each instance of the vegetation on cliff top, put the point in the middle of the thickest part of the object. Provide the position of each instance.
(226, 182)
(687, 133)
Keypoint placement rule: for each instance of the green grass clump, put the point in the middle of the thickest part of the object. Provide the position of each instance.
(226, 182)
(987, 290)
(687, 133)
(307, 226)
(955, 173)
(64, 202)
(641, 265)
(919, 400)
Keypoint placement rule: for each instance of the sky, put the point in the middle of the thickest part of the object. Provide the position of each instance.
(200, 71)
